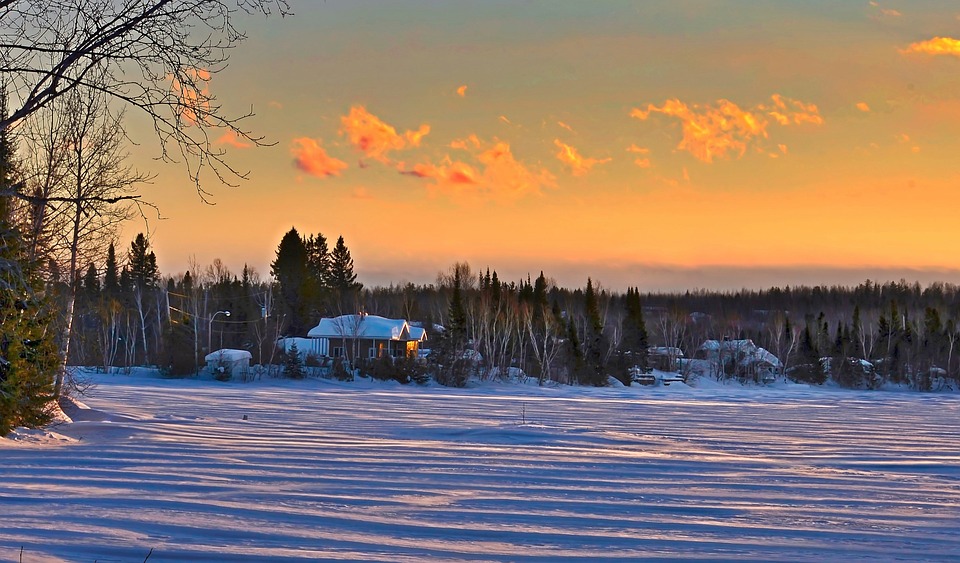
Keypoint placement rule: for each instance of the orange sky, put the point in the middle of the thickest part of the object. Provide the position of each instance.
(665, 145)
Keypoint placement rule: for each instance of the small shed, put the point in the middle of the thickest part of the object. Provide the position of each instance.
(227, 363)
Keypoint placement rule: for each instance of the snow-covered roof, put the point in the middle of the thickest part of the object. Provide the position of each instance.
(362, 326)
(728, 344)
(665, 351)
(417, 333)
(228, 355)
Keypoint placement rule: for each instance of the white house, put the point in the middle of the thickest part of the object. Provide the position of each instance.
(365, 336)
(743, 358)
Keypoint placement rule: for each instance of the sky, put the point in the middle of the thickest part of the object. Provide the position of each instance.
(664, 145)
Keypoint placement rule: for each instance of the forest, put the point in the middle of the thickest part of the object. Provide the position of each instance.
(128, 314)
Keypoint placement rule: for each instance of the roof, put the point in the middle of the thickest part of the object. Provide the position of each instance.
(417, 333)
(228, 355)
(364, 326)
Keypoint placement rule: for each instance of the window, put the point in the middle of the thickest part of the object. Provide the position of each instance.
(337, 351)
(373, 352)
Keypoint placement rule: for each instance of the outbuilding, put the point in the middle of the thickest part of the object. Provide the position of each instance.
(227, 363)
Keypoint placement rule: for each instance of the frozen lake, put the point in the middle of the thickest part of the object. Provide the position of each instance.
(322, 471)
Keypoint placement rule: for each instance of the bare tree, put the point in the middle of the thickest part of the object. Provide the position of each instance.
(79, 190)
(154, 55)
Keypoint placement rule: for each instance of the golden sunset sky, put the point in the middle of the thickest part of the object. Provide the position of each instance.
(667, 145)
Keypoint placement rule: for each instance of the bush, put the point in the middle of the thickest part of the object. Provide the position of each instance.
(339, 370)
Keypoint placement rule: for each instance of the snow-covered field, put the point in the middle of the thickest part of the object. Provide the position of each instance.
(323, 471)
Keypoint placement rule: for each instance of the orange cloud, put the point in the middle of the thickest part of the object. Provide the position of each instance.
(862, 106)
(643, 161)
(565, 126)
(787, 111)
(710, 131)
(311, 158)
(451, 172)
(571, 157)
(462, 91)
(361, 193)
(376, 138)
(504, 119)
(275, 104)
(496, 174)
(231, 138)
(717, 130)
(935, 46)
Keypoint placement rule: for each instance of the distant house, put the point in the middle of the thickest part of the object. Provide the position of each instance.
(365, 336)
(665, 358)
(741, 358)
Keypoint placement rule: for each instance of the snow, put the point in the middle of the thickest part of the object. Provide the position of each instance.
(368, 471)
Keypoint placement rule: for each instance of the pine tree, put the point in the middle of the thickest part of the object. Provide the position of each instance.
(111, 275)
(142, 262)
(342, 276)
(635, 337)
(318, 259)
(293, 363)
(292, 275)
(594, 340)
(28, 354)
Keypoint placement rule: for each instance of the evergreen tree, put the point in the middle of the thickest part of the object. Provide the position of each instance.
(292, 275)
(595, 342)
(111, 274)
(635, 337)
(142, 263)
(452, 368)
(91, 283)
(342, 276)
(293, 363)
(28, 354)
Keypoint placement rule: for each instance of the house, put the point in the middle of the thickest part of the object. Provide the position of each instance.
(228, 363)
(365, 336)
(741, 358)
(664, 358)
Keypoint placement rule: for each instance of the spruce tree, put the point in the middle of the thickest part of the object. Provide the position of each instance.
(28, 353)
(292, 275)
(111, 274)
(142, 262)
(342, 276)
(594, 340)
(293, 363)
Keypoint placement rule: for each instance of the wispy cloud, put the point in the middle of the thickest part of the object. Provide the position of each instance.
(232, 139)
(643, 161)
(374, 137)
(565, 126)
(787, 111)
(312, 159)
(571, 157)
(889, 12)
(462, 91)
(863, 106)
(491, 171)
(935, 46)
(721, 129)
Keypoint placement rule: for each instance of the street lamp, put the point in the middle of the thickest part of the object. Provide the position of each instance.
(210, 328)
